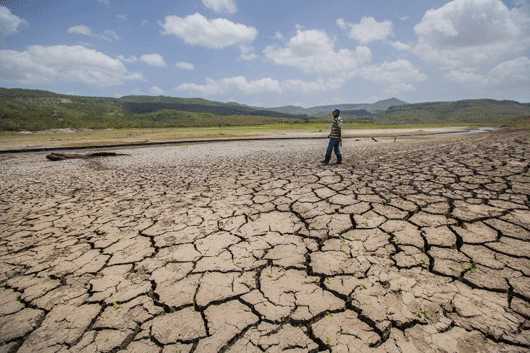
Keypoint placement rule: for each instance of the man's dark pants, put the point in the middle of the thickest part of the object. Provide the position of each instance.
(334, 145)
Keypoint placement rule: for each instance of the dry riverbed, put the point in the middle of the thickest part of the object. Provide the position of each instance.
(419, 245)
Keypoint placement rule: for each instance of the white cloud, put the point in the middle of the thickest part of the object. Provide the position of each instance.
(81, 29)
(234, 84)
(398, 75)
(319, 85)
(342, 24)
(9, 23)
(185, 66)
(278, 35)
(217, 33)
(121, 17)
(105, 2)
(153, 60)
(512, 73)
(368, 30)
(506, 80)
(465, 33)
(247, 53)
(399, 45)
(221, 6)
(40, 65)
(313, 51)
(403, 18)
(86, 31)
(130, 59)
(464, 76)
(156, 91)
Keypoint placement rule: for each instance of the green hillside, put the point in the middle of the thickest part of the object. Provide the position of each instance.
(479, 111)
(35, 110)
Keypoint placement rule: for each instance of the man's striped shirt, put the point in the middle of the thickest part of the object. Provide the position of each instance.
(335, 126)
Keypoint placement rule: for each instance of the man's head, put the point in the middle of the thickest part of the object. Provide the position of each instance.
(336, 112)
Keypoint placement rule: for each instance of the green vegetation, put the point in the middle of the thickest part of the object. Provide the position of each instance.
(480, 111)
(40, 110)
(421, 313)
(35, 110)
(472, 266)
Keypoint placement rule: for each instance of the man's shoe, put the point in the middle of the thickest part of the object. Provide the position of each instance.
(324, 163)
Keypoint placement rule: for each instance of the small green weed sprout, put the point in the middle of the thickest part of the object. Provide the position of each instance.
(422, 313)
(472, 266)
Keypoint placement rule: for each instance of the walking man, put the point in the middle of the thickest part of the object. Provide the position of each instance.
(335, 138)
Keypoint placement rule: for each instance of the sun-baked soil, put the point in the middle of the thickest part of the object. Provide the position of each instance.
(419, 245)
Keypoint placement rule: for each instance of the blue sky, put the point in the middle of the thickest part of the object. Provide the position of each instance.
(271, 53)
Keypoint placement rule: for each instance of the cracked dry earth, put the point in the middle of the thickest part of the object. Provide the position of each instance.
(413, 246)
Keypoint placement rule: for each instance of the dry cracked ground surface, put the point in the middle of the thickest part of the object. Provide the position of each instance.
(412, 246)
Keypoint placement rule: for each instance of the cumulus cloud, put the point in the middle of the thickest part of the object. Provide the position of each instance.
(313, 51)
(153, 60)
(40, 65)
(121, 17)
(368, 30)
(319, 85)
(465, 33)
(399, 45)
(511, 73)
(156, 91)
(104, 2)
(221, 6)
(81, 29)
(398, 76)
(505, 80)
(234, 84)
(9, 23)
(217, 33)
(185, 66)
(87, 31)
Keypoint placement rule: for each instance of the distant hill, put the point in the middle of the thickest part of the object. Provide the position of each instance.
(22, 109)
(477, 111)
(34, 110)
(323, 110)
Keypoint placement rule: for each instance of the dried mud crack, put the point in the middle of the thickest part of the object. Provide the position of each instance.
(419, 245)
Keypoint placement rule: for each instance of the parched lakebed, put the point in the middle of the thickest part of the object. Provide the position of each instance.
(414, 245)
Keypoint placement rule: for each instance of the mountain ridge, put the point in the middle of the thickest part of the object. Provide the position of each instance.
(23, 109)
